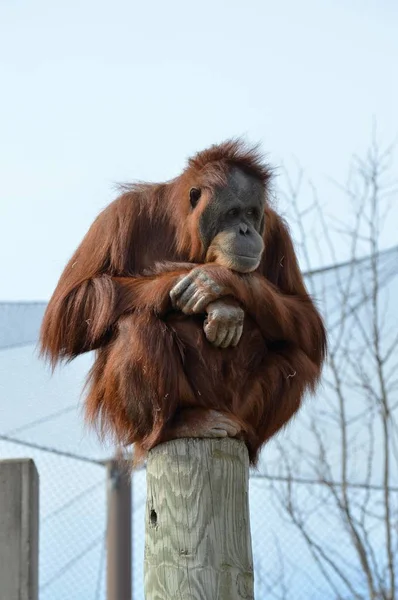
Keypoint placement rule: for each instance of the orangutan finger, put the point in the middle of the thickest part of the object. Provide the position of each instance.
(222, 333)
(229, 337)
(238, 334)
(180, 287)
(210, 329)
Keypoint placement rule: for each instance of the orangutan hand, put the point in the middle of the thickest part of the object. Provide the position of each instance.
(195, 291)
(223, 326)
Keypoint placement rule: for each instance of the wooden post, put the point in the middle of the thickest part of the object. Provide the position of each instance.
(19, 530)
(198, 543)
(118, 531)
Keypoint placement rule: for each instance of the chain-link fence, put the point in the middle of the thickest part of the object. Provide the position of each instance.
(73, 531)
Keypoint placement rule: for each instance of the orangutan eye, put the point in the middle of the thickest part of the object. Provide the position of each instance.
(194, 196)
(233, 212)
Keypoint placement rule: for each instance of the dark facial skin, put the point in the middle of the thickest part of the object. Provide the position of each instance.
(231, 225)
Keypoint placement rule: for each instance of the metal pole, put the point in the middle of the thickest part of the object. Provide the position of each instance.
(119, 554)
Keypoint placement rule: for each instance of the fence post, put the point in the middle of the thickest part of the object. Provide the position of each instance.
(119, 580)
(198, 542)
(19, 530)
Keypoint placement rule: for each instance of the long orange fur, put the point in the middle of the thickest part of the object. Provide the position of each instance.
(151, 361)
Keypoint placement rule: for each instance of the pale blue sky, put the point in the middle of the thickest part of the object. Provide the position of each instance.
(97, 92)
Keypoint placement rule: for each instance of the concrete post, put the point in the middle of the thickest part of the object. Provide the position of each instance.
(19, 530)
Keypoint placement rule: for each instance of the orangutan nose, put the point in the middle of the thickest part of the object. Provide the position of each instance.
(243, 229)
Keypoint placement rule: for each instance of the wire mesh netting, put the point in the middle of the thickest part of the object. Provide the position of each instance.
(305, 498)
